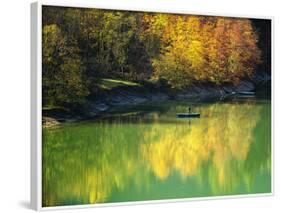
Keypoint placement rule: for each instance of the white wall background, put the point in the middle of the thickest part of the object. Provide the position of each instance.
(15, 107)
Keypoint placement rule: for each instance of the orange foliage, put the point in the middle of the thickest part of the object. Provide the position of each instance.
(193, 48)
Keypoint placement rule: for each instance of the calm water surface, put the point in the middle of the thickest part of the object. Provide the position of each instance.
(145, 153)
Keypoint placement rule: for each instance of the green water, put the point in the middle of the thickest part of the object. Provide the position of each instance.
(146, 153)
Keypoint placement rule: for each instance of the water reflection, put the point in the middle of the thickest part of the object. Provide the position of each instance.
(157, 156)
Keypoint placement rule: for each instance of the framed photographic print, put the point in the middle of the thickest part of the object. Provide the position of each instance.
(133, 106)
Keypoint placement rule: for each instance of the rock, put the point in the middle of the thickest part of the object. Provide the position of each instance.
(245, 86)
(229, 89)
(261, 78)
(137, 100)
(119, 101)
(159, 97)
(49, 122)
(101, 107)
(105, 100)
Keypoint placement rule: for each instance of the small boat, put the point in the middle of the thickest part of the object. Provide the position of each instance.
(188, 115)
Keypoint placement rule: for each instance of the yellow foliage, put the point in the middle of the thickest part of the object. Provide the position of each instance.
(201, 48)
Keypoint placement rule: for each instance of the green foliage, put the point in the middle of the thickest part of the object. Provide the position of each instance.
(106, 83)
(170, 67)
(63, 82)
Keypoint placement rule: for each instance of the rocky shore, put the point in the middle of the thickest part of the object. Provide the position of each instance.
(126, 96)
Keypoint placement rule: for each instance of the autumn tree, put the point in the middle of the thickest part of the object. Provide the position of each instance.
(81, 46)
(197, 48)
(63, 82)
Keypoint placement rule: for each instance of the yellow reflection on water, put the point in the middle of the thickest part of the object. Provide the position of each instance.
(104, 161)
(222, 140)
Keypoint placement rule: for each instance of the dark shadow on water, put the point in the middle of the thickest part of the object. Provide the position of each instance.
(139, 120)
(166, 113)
(25, 204)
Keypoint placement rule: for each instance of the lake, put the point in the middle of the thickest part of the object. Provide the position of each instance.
(145, 152)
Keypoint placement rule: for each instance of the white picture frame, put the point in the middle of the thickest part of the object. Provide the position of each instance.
(36, 104)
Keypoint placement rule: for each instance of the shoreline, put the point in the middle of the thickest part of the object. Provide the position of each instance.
(107, 100)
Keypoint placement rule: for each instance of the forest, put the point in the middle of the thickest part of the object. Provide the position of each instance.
(82, 47)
